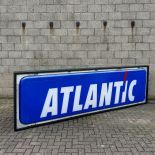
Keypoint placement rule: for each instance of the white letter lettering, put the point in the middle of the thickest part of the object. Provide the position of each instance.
(52, 97)
(118, 86)
(106, 93)
(124, 93)
(130, 93)
(66, 91)
(91, 99)
(76, 105)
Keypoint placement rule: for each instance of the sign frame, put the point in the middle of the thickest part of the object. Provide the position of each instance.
(24, 73)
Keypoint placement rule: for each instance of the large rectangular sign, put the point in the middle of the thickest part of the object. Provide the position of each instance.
(49, 96)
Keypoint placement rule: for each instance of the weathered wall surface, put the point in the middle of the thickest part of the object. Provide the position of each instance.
(37, 47)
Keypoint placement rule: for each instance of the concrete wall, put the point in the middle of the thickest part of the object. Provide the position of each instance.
(37, 47)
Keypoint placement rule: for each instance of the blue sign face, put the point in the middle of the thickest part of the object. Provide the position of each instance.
(48, 97)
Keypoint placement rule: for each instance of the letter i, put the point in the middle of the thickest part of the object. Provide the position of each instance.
(125, 92)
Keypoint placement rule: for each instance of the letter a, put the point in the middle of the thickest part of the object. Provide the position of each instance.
(52, 97)
(91, 99)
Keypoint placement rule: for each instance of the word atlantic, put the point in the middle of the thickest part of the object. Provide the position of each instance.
(51, 103)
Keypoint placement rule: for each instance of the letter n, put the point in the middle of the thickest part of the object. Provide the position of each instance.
(106, 92)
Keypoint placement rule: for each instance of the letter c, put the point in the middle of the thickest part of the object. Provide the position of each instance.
(130, 93)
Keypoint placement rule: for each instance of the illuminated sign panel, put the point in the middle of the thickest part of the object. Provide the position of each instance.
(44, 97)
